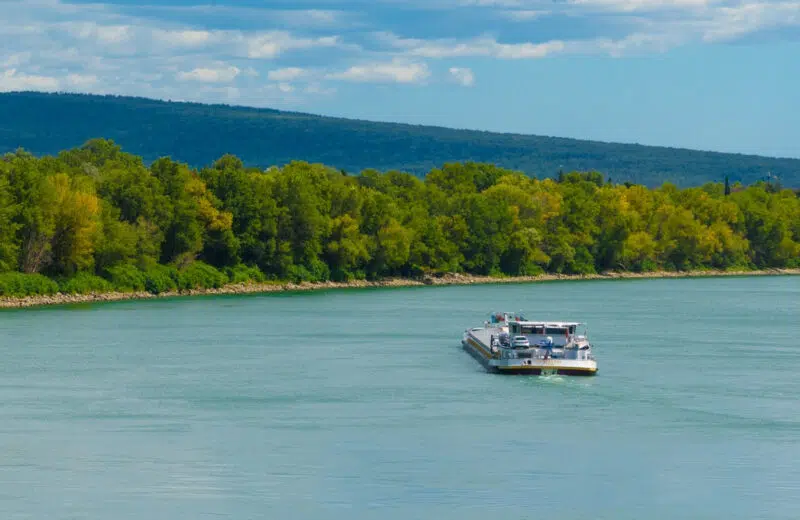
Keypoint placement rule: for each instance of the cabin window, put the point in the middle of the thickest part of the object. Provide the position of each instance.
(532, 329)
(556, 331)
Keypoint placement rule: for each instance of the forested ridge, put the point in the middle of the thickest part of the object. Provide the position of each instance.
(198, 134)
(95, 218)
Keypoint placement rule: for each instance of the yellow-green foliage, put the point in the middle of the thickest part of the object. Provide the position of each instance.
(95, 215)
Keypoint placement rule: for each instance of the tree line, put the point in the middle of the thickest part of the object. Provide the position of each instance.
(95, 218)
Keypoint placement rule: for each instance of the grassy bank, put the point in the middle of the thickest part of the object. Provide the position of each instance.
(60, 298)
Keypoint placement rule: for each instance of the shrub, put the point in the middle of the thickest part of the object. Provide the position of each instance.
(200, 275)
(416, 271)
(648, 266)
(341, 275)
(22, 284)
(126, 278)
(243, 274)
(160, 279)
(315, 271)
(297, 274)
(85, 283)
(319, 270)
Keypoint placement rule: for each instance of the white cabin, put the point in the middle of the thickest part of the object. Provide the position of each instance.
(562, 332)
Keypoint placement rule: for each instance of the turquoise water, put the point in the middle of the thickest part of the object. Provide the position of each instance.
(360, 404)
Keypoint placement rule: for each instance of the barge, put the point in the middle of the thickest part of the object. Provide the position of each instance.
(509, 343)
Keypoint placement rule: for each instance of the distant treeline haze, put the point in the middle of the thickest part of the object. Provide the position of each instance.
(97, 219)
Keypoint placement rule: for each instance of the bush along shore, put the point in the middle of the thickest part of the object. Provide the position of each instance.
(97, 223)
(250, 287)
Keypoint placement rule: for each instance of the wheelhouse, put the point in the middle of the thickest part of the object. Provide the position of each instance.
(535, 331)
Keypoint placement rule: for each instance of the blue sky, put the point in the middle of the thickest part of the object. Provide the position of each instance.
(707, 74)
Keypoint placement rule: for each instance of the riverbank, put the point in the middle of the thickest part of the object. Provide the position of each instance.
(448, 279)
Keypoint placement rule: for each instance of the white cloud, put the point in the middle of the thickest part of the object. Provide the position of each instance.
(492, 3)
(263, 47)
(396, 71)
(695, 21)
(210, 75)
(633, 43)
(265, 15)
(218, 93)
(287, 74)
(231, 93)
(316, 88)
(477, 47)
(81, 80)
(11, 80)
(464, 76)
(311, 17)
(731, 22)
(524, 15)
(103, 47)
(271, 44)
(645, 5)
(102, 50)
(103, 34)
(183, 38)
(15, 60)
(517, 51)
(113, 34)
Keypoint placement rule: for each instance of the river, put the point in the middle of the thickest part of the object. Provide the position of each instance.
(360, 404)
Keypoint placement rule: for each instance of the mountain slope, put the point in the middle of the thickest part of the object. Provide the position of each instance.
(198, 134)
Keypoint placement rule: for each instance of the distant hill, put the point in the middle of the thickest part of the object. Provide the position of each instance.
(198, 134)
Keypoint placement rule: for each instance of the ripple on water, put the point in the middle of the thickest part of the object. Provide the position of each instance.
(362, 404)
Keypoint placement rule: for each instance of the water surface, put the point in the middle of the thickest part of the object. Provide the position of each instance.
(360, 404)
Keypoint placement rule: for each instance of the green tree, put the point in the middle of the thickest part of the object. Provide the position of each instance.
(76, 225)
(346, 250)
(196, 225)
(9, 209)
(35, 218)
(96, 210)
(301, 191)
(393, 248)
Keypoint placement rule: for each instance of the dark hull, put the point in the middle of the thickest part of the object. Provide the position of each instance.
(550, 371)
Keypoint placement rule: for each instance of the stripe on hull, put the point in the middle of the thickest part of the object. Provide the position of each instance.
(549, 371)
(477, 346)
(477, 354)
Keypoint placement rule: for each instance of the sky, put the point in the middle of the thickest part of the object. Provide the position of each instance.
(720, 75)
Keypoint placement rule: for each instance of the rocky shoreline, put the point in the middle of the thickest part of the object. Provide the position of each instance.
(448, 279)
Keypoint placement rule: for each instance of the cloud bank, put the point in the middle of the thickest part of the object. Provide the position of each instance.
(293, 51)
